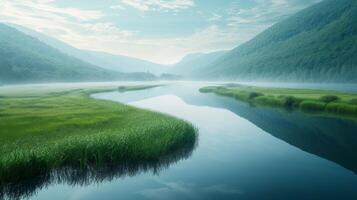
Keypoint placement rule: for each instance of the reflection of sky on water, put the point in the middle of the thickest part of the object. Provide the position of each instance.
(235, 158)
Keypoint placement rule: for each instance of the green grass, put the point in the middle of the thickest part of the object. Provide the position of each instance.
(123, 89)
(49, 129)
(330, 102)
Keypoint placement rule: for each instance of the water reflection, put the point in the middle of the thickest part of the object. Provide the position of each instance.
(94, 174)
(328, 137)
(249, 152)
(331, 138)
(245, 152)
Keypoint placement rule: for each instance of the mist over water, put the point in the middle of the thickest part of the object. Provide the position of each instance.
(343, 87)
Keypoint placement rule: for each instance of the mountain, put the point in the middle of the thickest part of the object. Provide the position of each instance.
(24, 59)
(193, 63)
(316, 44)
(104, 60)
(120, 63)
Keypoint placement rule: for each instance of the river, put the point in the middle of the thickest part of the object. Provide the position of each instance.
(243, 152)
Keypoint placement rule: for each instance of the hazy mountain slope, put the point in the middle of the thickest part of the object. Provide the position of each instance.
(121, 63)
(317, 44)
(193, 63)
(26, 59)
(101, 59)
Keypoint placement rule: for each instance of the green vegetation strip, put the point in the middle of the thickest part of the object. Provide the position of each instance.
(332, 102)
(50, 130)
(123, 89)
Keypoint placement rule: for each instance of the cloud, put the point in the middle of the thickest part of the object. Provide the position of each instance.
(145, 5)
(263, 13)
(215, 17)
(118, 7)
(170, 190)
(38, 7)
(85, 29)
(181, 190)
(224, 28)
(78, 27)
(170, 50)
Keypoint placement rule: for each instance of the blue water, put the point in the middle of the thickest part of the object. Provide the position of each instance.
(243, 152)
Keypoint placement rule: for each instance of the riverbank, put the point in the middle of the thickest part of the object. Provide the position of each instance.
(135, 88)
(307, 100)
(45, 130)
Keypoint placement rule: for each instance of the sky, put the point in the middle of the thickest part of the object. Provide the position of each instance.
(161, 31)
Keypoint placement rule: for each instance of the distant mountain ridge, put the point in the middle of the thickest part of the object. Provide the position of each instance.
(104, 60)
(193, 63)
(121, 63)
(318, 44)
(24, 59)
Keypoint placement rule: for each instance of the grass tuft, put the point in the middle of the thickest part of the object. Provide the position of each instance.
(353, 101)
(253, 95)
(329, 98)
(312, 106)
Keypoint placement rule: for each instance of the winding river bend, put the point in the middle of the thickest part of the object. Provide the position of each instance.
(243, 152)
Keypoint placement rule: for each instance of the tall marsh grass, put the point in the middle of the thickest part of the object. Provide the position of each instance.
(54, 131)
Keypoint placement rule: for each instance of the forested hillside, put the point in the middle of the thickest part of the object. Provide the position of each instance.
(317, 44)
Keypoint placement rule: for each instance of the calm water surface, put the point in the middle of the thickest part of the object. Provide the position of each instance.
(243, 152)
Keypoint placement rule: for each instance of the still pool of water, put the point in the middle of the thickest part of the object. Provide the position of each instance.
(243, 152)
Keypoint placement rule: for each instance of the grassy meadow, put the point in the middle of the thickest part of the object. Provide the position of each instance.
(307, 100)
(49, 129)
